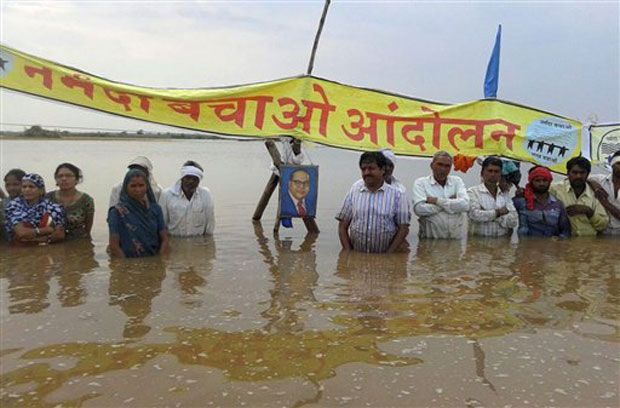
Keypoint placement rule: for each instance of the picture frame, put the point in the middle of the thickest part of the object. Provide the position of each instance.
(298, 191)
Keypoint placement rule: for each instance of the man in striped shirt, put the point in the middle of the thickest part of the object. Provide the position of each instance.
(375, 216)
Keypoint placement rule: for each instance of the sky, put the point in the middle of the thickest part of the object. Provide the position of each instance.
(557, 56)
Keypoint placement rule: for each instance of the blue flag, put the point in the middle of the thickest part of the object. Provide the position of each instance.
(491, 79)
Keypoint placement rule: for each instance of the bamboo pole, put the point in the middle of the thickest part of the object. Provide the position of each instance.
(317, 37)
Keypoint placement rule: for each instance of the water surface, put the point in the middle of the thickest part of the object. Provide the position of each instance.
(247, 318)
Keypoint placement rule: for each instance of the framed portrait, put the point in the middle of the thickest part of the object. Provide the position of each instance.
(298, 191)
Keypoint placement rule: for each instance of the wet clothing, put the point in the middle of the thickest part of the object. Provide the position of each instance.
(137, 226)
(483, 219)
(613, 228)
(76, 214)
(185, 217)
(3, 233)
(444, 219)
(374, 216)
(544, 220)
(581, 224)
(18, 211)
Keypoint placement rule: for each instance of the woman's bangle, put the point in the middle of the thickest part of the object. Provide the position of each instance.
(37, 231)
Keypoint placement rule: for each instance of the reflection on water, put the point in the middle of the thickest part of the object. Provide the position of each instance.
(294, 276)
(29, 272)
(290, 320)
(133, 286)
(483, 289)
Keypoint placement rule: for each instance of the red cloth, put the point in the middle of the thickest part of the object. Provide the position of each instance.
(528, 193)
(44, 220)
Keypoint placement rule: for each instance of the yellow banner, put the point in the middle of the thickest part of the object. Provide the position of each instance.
(313, 109)
(604, 141)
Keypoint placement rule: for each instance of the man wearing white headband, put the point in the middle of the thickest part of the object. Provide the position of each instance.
(606, 189)
(188, 208)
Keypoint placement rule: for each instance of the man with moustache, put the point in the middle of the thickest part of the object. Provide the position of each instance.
(606, 189)
(188, 207)
(586, 214)
(390, 160)
(440, 200)
(375, 216)
(491, 212)
(540, 213)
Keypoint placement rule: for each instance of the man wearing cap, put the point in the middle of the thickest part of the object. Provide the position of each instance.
(141, 163)
(188, 207)
(440, 200)
(587, 216)
(606, 189)
(540, 213)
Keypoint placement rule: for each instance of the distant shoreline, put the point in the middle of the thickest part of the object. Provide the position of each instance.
(133, 136)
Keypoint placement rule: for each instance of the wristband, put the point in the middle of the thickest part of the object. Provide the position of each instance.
(37, 231)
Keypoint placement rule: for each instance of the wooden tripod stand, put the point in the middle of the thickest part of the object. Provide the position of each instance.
(273, 182)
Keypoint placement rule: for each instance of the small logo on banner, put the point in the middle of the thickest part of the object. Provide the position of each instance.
(609, 144)
(6, 63)
(550, 140)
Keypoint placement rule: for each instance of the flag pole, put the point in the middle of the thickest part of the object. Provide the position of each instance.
(318, 35)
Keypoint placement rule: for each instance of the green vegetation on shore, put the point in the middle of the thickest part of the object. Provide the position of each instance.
(38, 132)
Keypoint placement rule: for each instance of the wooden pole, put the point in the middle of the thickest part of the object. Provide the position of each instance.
(264, 199)
(271, 184)
(318, 35)
(311, 225)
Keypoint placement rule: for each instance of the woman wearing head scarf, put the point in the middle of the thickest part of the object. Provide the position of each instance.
(140, 163)
(136, 223)
(31, 218)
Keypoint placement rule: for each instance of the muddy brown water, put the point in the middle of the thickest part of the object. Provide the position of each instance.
(246, 318)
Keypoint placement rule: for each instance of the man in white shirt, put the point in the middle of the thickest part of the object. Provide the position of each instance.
(440, 200)
(491, 212)
(188, 208)
(607, 191)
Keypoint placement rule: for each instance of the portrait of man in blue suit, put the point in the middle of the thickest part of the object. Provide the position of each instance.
(298, 191)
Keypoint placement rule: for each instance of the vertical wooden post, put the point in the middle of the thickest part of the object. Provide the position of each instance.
(271, 184)
(311, 225)
(264, 199)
